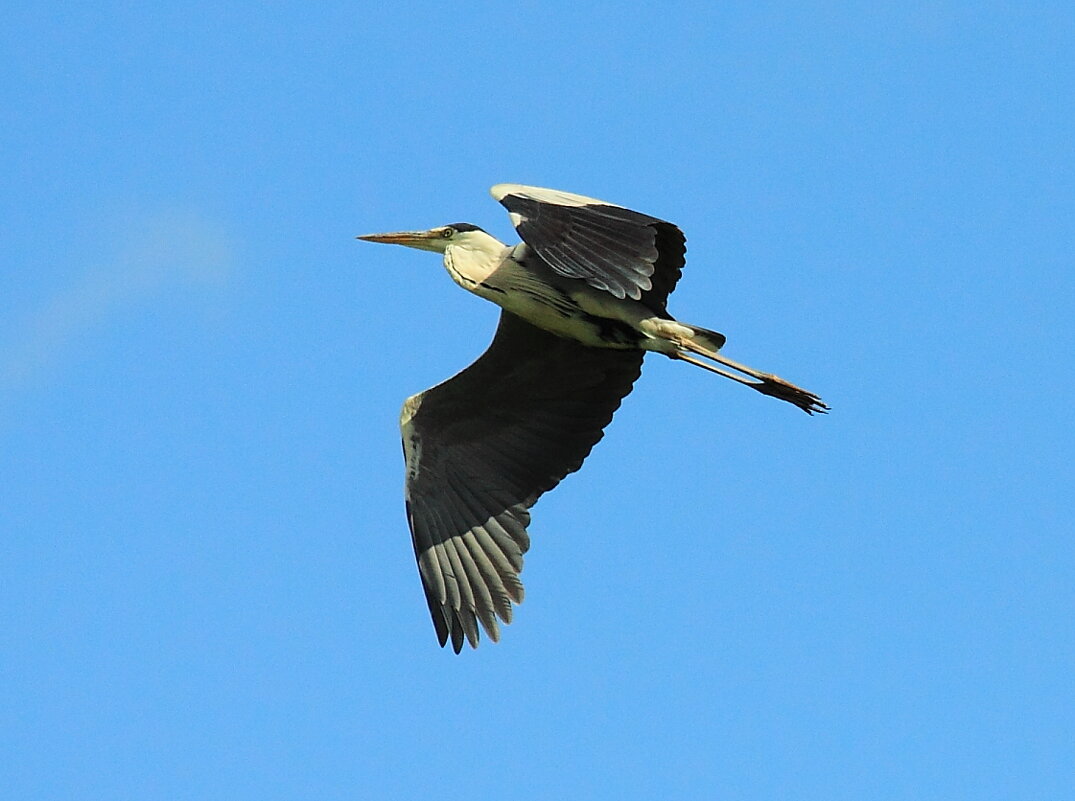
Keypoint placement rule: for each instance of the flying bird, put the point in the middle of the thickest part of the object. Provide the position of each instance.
(583, 298)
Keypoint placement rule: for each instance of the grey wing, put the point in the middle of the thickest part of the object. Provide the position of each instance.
(482, 447)
(624, 252)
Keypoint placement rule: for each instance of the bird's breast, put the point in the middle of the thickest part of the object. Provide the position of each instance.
(555, 304)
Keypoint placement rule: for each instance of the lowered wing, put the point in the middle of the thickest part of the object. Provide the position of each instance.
(482, 447)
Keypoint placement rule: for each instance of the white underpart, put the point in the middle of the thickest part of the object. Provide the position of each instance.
(483, 265)
(667, 336)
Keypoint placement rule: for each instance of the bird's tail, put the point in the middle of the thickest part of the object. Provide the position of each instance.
(703, 341)
(691, 341)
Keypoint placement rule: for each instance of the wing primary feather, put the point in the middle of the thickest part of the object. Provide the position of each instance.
(503, 553)
(465, 597)
(440, 623)
(451, 570)
(428, 564)
(478, 599)
(506, 544)
(490, 590)
(456, 628)
(498, 592)
(483, 599)
(433, 574)
(515, 522)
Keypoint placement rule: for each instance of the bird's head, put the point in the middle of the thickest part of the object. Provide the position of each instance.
(437, 240)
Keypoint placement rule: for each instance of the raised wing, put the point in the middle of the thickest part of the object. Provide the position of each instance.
(482, 447)
(624, 252)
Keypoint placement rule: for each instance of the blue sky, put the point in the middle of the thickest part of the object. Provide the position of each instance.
(206, 583)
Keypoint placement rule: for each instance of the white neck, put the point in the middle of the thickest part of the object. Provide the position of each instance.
(472, 256)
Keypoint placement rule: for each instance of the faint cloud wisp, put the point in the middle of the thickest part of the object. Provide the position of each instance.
(147, 256)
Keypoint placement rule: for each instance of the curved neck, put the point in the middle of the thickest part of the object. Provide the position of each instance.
(472, 257)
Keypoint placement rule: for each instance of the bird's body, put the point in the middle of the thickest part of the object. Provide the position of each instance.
(520, 282)
(584, 297)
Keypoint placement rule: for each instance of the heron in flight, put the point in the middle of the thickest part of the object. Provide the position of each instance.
(583, 299)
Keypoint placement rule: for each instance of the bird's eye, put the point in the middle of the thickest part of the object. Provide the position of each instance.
(448, 233)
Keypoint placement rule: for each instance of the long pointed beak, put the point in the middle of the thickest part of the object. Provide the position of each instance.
(414, 239)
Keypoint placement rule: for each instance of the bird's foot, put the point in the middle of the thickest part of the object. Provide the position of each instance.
(779, 388)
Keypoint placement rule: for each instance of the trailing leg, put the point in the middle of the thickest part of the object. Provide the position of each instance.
(687, 339)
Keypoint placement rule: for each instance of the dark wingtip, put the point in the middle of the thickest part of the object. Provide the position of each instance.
(457, 638)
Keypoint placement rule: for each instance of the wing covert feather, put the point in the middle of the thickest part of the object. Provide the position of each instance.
(620, 251)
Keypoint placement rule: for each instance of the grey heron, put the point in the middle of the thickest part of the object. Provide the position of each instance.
(583, 298)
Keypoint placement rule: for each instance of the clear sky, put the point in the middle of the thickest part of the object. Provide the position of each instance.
(207, 589)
